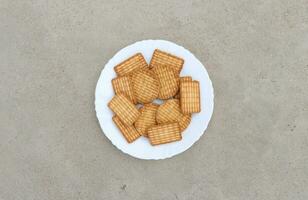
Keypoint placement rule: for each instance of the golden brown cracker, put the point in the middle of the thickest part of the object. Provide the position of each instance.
(190, 97)
(124, 109)
(147, 118)
(184, 121)
(163, 58)
(145, 86)
(161, 134)
(185, 78)
(123, 85)
(168, 82)
(182, 79)
(128, 131)
(130, 65)
(170, 111)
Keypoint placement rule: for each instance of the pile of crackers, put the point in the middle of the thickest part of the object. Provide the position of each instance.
(138, 83)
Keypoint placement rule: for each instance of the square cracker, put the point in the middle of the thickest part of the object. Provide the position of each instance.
(128, 66)
(163, 58)
(124, 109)
(123, 85)
(170, 111)
(146, 119)
(145, 86)
(168, 82)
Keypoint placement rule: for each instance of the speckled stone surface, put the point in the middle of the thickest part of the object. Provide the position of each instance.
(51, 55)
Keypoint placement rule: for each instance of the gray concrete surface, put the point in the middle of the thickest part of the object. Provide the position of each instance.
(51, 55)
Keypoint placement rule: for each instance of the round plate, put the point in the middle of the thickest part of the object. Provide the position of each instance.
(141, 148)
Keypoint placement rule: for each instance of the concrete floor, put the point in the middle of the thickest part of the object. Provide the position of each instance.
(51, 55)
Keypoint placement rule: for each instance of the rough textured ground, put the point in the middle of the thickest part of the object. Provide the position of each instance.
(51, 55)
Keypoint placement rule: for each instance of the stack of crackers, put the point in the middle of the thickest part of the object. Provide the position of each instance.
(139, 83)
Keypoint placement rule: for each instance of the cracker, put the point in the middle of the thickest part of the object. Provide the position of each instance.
(168, 82)
(145, 86)
(147, 118)
(185, 78)
(123, 85)
(161, 134)
(182, 79)
(124, 109)
(184, 121)
(129, 132)
(163, 58)
(190, 97)
(170, 111)
(133, 63)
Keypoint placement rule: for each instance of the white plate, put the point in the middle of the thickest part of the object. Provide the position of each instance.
(141, 148)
